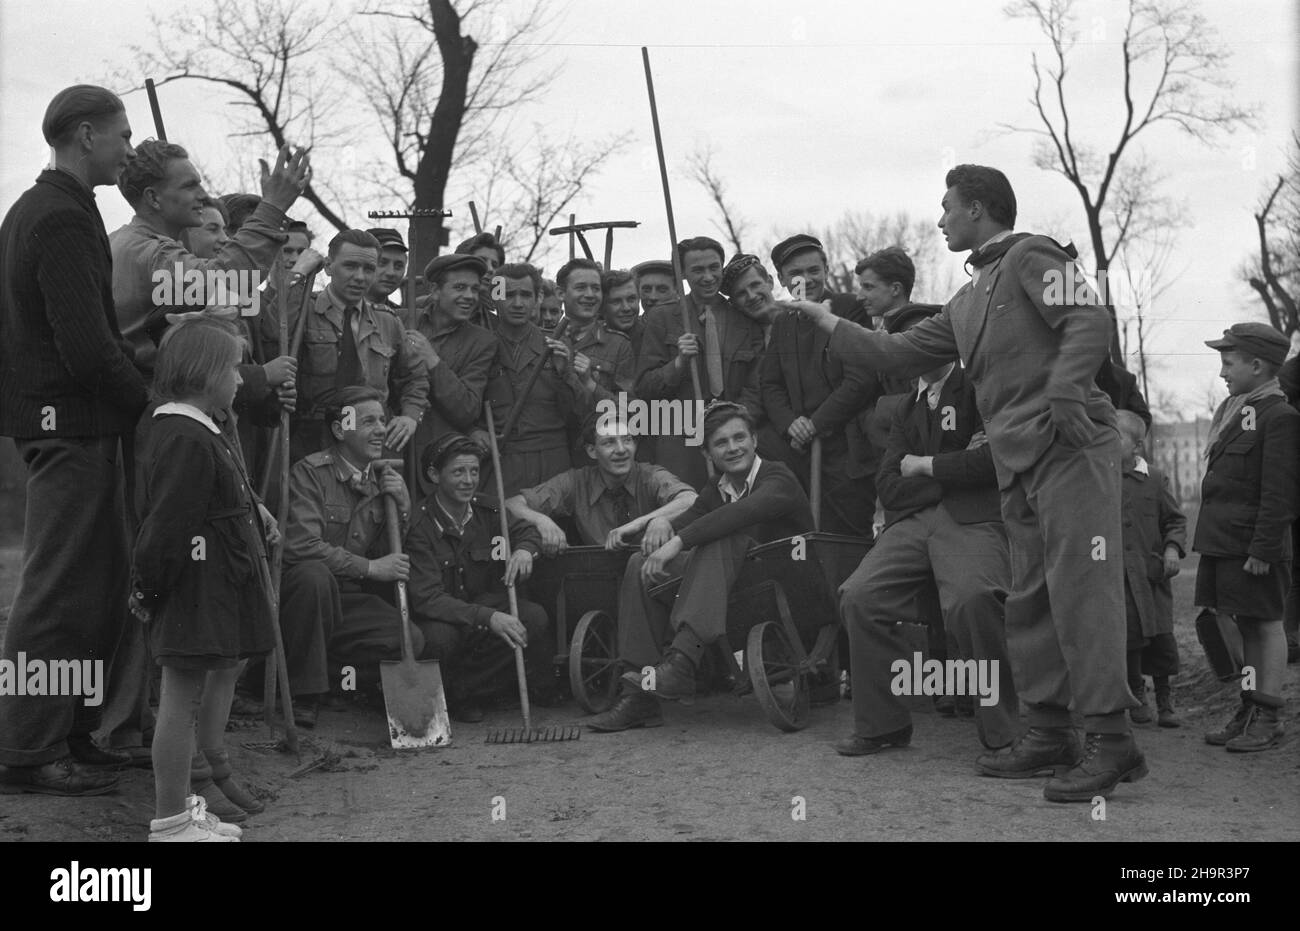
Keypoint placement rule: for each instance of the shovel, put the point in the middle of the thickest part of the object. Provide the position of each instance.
(413, 696)
(528, 734)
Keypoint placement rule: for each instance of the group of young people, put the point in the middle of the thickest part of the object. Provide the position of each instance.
(977, 444)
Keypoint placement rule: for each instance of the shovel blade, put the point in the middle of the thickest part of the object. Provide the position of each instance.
(416, 704)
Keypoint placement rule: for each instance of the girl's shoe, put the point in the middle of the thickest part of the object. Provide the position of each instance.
(184, 828)
(198, 809)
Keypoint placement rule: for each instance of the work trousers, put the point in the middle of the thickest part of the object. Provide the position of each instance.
(476, 663)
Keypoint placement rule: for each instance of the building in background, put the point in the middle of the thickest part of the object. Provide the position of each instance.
(1178, 449)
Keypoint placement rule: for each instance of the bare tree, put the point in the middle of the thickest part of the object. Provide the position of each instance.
(700, 167)
(526, 190)
(1173, 73)
(1275, 273)
(269, 55)
(438, 95)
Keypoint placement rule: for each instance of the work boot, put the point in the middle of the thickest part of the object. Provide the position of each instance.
(88, 753)
(1108, 760)
(202, 786)
(1234, 727)
(1142, 713)
(633, 709)
(63, 776)
(1168, 717)
(1037, 753)
(1262, 730)
(223, 778)
(672, 680)
(865, 746)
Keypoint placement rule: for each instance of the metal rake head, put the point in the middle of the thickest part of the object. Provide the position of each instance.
(524, 735)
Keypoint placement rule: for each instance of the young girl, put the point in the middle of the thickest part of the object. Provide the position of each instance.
(198, 581)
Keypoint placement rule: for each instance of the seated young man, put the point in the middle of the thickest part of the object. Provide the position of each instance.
(335, 606)
(754, 501)
(458, 593)
(612, 502)
(944, 529)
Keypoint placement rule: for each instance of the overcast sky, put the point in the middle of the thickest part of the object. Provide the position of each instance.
(811, 108)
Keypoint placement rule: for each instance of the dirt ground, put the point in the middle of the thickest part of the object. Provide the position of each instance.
(716, 771)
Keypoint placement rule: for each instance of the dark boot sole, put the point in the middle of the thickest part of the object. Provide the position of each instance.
(1048, 769)
(1132, 775)
(648, 722)
(1271, 745)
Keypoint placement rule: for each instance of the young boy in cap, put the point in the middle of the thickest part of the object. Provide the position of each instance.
(485, 247)
(459, 354)
(458, 592)
(1155, 539)
(390, 272)
(1243, 532)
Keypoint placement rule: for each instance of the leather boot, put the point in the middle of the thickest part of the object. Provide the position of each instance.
(1168, 717)
(1234, 727)
(201, 784)
(672, 680)
(1108, 760)
(1142, 713)
(223, 777)
(1037, 753)
(633, 709)
(1263, 729)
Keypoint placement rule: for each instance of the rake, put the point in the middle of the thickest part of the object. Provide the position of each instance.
(527, 734)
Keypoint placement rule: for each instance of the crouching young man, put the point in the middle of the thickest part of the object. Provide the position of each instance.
(754, 501)
(458, 589)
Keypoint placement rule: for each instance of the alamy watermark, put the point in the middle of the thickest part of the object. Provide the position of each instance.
(78, 677)
(674, 417)
(950, 677)
(213, 287)
(1072, 288)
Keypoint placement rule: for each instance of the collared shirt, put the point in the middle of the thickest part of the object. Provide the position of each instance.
(444, 519)
(585, 495)
(187, 410)
(342, 308)
(336, 515)
(1140, 466)
(932, 392)
(728, 491)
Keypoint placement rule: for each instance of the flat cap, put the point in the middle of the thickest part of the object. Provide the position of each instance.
(653, 267)
(908, 316)
(443, 264)
(740, 263)
(388, 238)
(787, 249)
(1255, 339)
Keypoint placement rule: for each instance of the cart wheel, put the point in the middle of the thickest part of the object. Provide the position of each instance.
(779, 685)
(593, 662)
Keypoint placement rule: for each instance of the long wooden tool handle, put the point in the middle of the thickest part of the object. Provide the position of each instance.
(277, 668)
(815, 482)
(152, 91)
(693, 362)
(473, 212)
(278, 453)
(394, 526)
(512, 418)
(521, 676)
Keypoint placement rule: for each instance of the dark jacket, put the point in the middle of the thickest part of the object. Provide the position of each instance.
(776, 507)
(449, 568)
(742, 351)
(60, 346)
(554, 402)
(209, 601)
(1248, 495)
(1152, 521)
(964, 479)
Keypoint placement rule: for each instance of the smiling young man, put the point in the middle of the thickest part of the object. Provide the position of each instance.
(1057, 453)
(485, 247)
(460, 354)
(390, 271)
(809, 389)
(602, 355)
(348, 342)
(538, 446)
(727, 345)
(458, 590)
(613, 502)
(164, 189)
(68, 394)
(335, 606)
(753, 501)
(619, 308)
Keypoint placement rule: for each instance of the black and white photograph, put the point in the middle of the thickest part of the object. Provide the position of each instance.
(675, 421)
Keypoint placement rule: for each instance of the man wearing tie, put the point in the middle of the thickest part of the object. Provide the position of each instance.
(729, 345)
